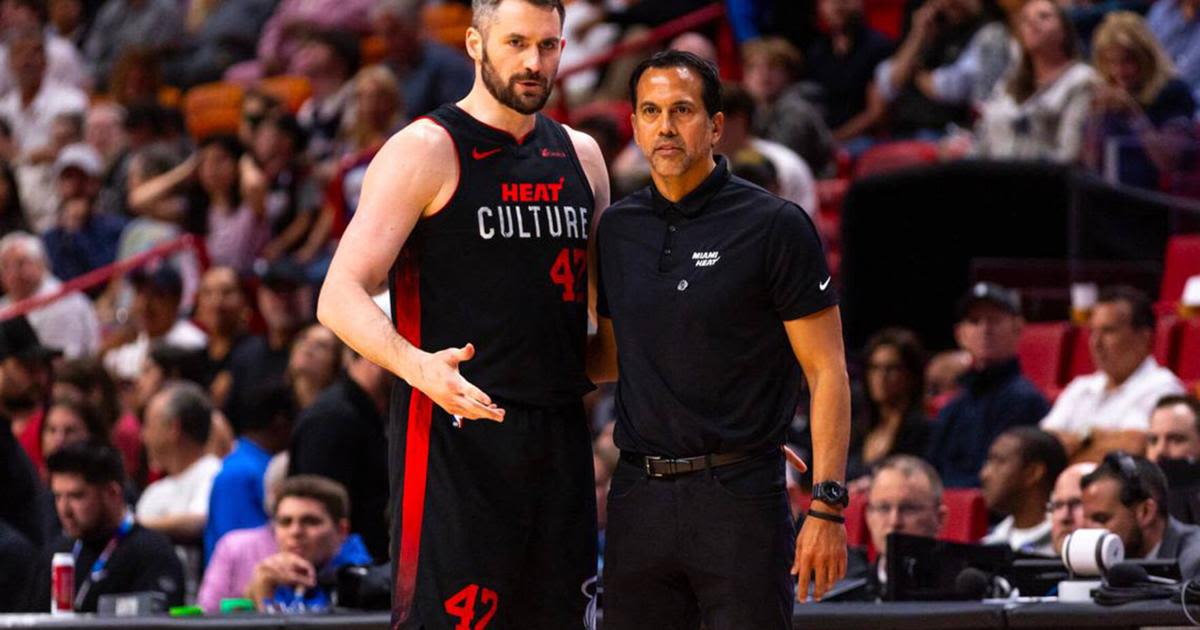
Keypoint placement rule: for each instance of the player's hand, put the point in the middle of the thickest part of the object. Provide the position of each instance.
(438, 377)
(820, 556)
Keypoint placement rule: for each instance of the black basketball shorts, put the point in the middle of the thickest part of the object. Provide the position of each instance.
(493, 524)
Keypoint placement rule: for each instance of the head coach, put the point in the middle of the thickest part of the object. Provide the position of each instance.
(713, 297)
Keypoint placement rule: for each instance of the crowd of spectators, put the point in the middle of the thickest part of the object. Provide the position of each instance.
(192, 411)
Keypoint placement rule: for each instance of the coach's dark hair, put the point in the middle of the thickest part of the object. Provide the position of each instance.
(1039, 447)
(96, 461)
(711, 92)
(1140, 307)
(482, 10)
(1138, 477)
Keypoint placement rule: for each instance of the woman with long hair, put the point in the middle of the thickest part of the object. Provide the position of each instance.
(1039, 112)
(893, 420)
(1142, 113)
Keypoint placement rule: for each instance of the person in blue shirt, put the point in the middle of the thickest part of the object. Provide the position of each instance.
(237, 498)
(312, 530)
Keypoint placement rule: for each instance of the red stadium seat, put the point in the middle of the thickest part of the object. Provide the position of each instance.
(1166, 340)
(893, 156)
(1043, 350)
(1181, 262)
(1187, 361)
(1081, 356)
(966, 517)
(885, 16)
(856, 520)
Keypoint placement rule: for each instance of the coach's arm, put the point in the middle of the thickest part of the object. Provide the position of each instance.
(816, 341)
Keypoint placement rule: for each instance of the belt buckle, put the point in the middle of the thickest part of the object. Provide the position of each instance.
(646, 463)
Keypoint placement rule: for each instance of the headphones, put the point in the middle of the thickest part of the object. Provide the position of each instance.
(1132, 490)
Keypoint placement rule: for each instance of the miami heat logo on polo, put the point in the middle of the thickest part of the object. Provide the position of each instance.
(531, 210)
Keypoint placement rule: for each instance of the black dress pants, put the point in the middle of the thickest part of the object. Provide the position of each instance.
(712, 546)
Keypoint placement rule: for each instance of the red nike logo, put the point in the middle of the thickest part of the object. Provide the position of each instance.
(479, 155)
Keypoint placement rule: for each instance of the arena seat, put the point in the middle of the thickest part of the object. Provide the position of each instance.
(1187, 358)
(1182, 261)
(1081, 356)
(966, 515)
(1166, 340)
(291, 90)
(446, 22)
(212, 108)
(885, 16)
(1043, 350)
(891, 156)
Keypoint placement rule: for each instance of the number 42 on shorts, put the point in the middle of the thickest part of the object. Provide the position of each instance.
(462, 604)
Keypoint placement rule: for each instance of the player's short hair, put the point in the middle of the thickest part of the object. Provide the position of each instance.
(711, 81)
(329, 493)
(1138, 477)
(483, 10)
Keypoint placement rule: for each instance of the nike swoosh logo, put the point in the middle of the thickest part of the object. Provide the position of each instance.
(479, 155)
(825, 285)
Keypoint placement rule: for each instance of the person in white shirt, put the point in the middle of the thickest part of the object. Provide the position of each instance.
(1109, 409)
(156, 301)
(175, 431)
(795, 178)
(1017, 479)
(64, 64)
(68, 324)
(32, 106)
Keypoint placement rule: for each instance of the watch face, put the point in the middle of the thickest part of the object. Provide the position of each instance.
(831, 491)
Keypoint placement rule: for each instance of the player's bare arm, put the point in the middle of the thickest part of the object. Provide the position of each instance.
(414, 175)
(602, 347)
(816, 341)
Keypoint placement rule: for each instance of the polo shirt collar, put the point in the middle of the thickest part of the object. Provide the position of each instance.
(693, 203)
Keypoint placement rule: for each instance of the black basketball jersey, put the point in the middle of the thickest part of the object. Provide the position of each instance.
(504, 264)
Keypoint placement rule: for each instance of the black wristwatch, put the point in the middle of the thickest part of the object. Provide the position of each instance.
(831, 493)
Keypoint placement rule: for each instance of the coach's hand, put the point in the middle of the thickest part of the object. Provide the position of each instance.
(438, 377)
(820, 556)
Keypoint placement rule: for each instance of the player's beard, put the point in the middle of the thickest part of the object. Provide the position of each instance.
(507, 93)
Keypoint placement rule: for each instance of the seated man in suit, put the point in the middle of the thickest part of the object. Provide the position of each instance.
(1127, 495)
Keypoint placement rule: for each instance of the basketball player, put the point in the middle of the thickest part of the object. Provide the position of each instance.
(477, 218)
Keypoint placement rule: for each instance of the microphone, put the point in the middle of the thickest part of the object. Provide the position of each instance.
(972, 584)
(1130, 574)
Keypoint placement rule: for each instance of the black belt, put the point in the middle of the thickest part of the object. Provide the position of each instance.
(659, 467)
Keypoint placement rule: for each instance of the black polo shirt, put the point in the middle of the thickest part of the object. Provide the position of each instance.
(698, 292)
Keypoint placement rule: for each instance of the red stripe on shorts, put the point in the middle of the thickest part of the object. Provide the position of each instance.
(407, 304)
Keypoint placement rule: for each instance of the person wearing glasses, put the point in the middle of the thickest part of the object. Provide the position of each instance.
(1127, 495)
(906, 497)
(1066, 505)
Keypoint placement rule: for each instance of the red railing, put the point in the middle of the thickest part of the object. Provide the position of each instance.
(101, 275)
